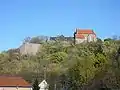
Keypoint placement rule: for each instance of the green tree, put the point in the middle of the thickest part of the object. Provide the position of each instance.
(35, 85)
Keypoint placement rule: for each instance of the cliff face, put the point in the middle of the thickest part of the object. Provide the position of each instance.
(29, 48)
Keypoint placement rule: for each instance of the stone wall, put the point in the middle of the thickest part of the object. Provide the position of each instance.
(29, 48)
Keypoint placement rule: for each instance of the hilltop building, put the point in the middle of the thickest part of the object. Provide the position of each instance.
(84, 35)
(80, 36)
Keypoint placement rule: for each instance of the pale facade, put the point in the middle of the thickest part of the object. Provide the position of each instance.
(14, 88)
(29, 48)
(43, 85)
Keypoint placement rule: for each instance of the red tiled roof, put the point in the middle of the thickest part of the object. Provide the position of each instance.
(8, 81)
(80, 36)
(85, 31)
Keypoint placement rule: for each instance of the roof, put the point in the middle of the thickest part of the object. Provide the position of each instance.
(84, 31)
(11, 81)
(80, 36)
(43, 84)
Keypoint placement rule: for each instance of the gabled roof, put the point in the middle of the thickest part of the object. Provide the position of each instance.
(84, 31)
(43, 84)
(11, 81)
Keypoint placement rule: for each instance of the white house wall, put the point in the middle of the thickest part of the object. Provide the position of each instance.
(79, 40)
(14, 88)
(89, 38)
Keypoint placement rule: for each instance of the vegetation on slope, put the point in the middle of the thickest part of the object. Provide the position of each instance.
(86, 66)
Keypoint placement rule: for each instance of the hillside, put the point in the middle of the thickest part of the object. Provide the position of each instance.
(87, 65)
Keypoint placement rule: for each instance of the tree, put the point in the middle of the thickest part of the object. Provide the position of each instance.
(99, 40)
(115, 37)
(57, 57)
(75, 79)
(35, 85)
(107, 39)
(36, 40)
(26, 40)
(61, 38)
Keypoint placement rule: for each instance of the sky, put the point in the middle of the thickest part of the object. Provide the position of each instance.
(23, 18)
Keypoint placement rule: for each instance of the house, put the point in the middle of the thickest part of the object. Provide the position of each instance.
(84, 35)
(43, 85)
(14, 83)
(29, 48)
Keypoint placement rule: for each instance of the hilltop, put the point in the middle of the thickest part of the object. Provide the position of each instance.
(84, 65)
